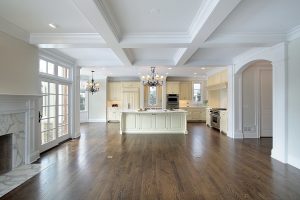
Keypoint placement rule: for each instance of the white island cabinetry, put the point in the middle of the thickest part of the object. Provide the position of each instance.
(155, 122)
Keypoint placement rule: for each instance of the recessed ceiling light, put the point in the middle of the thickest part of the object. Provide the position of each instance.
(170, 68)
(195, 73)
(202, 68)
(53, 26)
(154, 11)
(167, 73)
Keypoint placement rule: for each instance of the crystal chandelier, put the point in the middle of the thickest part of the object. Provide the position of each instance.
(92, 86)
(153, 79)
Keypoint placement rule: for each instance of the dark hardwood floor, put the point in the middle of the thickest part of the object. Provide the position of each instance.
(201, 165)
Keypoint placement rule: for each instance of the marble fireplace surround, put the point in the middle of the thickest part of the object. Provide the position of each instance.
(18, 116)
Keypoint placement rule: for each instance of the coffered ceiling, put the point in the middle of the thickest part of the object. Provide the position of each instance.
(125, 37)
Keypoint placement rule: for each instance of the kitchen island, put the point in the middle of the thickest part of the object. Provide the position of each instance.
(154, 122)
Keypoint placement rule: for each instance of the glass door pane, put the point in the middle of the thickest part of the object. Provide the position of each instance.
(63, 110)
(48, 121)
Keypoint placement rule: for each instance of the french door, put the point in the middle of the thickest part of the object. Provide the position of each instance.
(55, 113)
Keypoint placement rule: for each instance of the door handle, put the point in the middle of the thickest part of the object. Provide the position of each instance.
(40, 117)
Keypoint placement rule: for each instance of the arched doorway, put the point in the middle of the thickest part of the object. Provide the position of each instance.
(256, 99)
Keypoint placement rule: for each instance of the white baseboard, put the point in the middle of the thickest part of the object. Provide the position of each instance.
(250, 135)
(278, 155)
(97, 120)
(292, 160)
(238, 135)
(34, 156)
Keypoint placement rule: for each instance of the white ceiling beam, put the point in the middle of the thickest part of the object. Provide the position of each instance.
(95, 12)
(213, 13)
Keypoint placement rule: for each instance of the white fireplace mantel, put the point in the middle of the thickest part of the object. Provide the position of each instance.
(19, 116)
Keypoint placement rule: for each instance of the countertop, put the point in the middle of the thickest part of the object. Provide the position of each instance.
(155, 111)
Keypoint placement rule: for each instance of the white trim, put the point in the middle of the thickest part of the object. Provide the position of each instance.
(97, 120)
(66, 38)
(57, 57)
(292, 160)
(13, 30)
(293, 34)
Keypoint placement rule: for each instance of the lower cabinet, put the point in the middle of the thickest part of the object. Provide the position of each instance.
(208, 119)
(153, 123)
(113, 114)
(195, 114)
(223, 121)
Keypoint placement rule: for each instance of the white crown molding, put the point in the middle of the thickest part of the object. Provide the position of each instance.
(293, 34)
(67, 38)
(156, 39)
(57, 56)
(219, 62)
(13, 30)
(100, 62)
(110, 20)
(254, 39)
(154, 62)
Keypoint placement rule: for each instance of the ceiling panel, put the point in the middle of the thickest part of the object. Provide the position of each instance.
(136, 16)
(92, 56)
(215, 56)
(262, 16)
(35, 15)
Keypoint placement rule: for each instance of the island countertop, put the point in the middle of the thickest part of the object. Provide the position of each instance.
(155, 111)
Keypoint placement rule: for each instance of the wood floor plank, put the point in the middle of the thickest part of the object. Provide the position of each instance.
(204, 164)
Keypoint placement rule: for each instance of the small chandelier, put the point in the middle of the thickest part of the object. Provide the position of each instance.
(153, 79)
(92, 86)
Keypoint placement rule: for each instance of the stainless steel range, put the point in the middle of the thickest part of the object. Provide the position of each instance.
(215, 117)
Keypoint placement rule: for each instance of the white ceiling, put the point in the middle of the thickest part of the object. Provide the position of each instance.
(155, 16)
(124, 38)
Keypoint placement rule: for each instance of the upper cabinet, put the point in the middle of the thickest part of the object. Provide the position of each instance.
(185, 91)
(172, 87)
(114, 91)
(217, 81)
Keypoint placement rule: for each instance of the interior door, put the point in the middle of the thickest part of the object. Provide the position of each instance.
(266, 103)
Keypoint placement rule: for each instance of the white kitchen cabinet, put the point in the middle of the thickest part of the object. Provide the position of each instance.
(208, 117)
(172, 87)
(113, 114)
(195, 113)
(114, 91)
(185, 91)
(223, 121)
(131, 100)
(154, 122)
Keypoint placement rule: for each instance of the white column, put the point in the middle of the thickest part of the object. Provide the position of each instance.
(75, 130)
(230, 92)
(279, 64)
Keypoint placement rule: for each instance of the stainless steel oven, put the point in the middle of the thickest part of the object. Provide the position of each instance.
(172, 101)
(215, 117)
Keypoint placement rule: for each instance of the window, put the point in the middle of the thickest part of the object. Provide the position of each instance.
(83, 96)
(152, 100)
(55, 88)
(197, 92)
(50, 68)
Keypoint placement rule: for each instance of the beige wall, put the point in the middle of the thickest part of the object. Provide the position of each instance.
(18, 67)
(293, 102)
